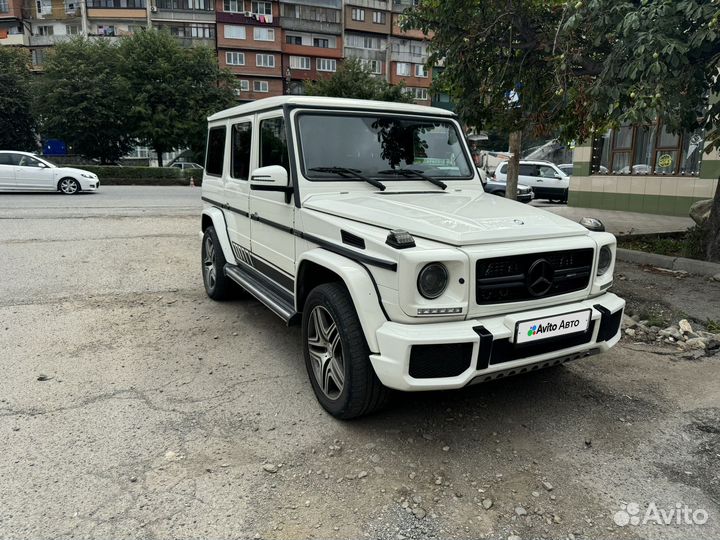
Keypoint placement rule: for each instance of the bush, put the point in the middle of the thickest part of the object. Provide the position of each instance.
(143, 176)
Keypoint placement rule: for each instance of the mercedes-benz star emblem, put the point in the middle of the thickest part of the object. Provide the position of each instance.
(539, 279)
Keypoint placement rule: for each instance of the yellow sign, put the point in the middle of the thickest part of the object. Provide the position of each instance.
(665, 161)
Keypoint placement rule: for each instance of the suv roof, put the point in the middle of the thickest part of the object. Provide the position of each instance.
(318, 101)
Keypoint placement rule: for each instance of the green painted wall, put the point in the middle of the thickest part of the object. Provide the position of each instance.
(648, 204)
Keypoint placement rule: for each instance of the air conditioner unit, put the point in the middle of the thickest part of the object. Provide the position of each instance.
(153, 9)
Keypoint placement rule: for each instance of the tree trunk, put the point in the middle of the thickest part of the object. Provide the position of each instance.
(511, 182)
(713, 228)
(159, 153)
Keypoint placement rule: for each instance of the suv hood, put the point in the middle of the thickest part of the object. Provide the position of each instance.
(457, 218)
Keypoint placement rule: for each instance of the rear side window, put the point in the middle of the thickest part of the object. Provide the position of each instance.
(503, 168)
(241, 140)
(528, 170)
(273, 144)
(10, 159)
(215, 151)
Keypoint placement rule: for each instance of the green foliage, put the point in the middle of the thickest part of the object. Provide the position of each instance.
(83, 100)
(172, 90)
(636, 61)
(16, 118)
(353, 80)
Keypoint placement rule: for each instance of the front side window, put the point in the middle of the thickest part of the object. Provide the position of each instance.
(273, 143)
(380, 146)
(28, 161)
(215, 151)
(241, 145)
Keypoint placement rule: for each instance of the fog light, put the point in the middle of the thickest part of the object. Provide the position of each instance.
(439, 311)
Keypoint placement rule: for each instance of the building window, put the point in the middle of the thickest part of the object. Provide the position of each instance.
(421, 70)
(38, 56)
(321, 42)
(215, 151)
(116, 4)
(234, 58)
(260, 86)
(233, 6)
(106, 30)
(44, 7)
(310, 13)
(234, 32)
(358, 14)
(265, 60)
(373, 66)
(299, 62)
(418, 94)
(4, 7)
(326, 64)
(293, 40)
(403, 69)
(241, 137)
(262, 8)
(416, 50)
(379, 17)
(205, 5)
(244, 85)
(45, 30)
(264, 34)
(364, 42)
(643, 150)
(72, 29)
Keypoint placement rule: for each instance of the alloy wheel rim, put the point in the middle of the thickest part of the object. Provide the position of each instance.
(68, 186)
(326, 355)
(209, 263)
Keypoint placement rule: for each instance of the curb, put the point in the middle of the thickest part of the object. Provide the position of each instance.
(692, 266)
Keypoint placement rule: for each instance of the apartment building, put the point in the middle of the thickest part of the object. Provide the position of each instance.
(192, 22)
(11, 23)
(312, 42)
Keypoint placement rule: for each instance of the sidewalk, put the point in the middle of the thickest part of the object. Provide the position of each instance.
(621, 223)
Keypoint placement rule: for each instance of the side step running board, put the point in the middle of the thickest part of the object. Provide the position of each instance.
(277, 299)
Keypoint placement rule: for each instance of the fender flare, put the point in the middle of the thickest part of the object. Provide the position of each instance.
(359, 282)
(218, 221)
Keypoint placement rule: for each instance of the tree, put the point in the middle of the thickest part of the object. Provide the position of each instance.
(353, 80)
(499, 60)
(16, 118)
(172, 90)
(653, 59)
(83, 100)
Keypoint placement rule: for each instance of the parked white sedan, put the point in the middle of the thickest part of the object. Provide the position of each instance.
(22, 171)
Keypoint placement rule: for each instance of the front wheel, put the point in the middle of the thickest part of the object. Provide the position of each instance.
(217, 285)
(69, 186)
(337, 355)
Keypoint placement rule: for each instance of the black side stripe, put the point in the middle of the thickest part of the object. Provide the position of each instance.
(330, 246)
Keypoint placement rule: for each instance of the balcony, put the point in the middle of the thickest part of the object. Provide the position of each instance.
(184, 15)
(307, 25)
(13, 39)
(45, 41)
(196, 42)
(241, 18)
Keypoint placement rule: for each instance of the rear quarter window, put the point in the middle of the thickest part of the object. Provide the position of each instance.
(215, 151)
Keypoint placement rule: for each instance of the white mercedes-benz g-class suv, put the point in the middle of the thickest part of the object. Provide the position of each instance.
(367, 222)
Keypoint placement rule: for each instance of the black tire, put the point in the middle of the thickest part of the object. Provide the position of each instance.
(69, 186)
(217, 285)
(362, 392)
(500, 194)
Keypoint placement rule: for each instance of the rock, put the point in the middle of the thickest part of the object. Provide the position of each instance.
(513, 537)
(630, 332)
(685, 327)
(671, 331)
(535, 493)
(557, 519)
(696, 343)
(487, 504)
(419, 513)
(547, 485)
(446, 448)
(133, 479)
(43, 377)
(628, 322)
(700, 211)
(269, 467)
(716, 277)
(520, 511)
(362, 474)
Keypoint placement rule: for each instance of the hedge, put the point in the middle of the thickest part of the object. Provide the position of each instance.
(143, 176)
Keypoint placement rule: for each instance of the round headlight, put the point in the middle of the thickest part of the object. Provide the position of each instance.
(604, 260)
(433, 280)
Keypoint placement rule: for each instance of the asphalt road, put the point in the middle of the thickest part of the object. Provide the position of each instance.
(133, 406)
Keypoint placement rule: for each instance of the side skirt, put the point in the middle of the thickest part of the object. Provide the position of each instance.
(276, 298)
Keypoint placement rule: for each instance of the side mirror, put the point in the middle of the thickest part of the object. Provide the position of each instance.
(271, 178)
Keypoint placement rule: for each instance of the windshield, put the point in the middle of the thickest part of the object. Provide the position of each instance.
(374, 146)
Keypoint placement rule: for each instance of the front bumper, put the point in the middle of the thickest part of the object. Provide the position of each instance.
(88, 184)
(454, 354)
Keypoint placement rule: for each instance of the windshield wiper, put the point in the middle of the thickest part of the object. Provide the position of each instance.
(417, 174)
(347, 172)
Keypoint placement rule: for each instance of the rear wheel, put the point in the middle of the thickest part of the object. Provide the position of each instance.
(69, 186)
(337, 355)
(217, 285)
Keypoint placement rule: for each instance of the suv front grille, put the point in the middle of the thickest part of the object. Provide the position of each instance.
(534, 275)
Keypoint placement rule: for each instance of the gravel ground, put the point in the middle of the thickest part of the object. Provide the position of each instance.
(133, 406)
